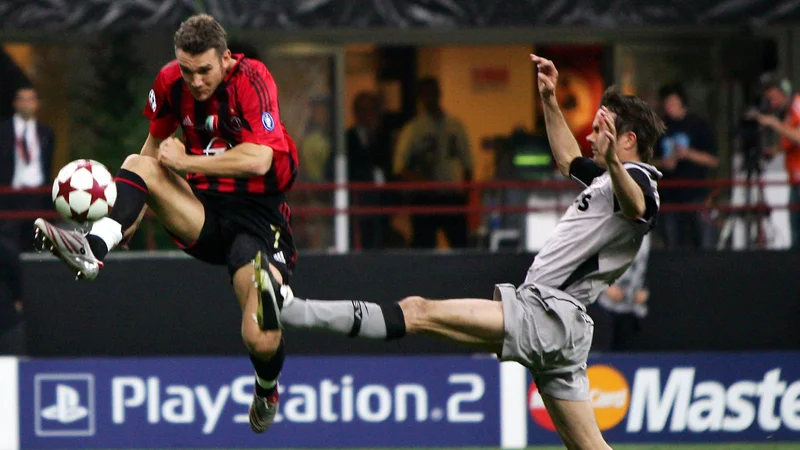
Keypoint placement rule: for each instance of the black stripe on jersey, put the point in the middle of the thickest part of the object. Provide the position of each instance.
(224, 116)
(293, 169)
(584, 170)
(263, 92)
(589, 266)
(260, 99)
(271, 179)
(246, 124)
(253, 74)
(200, 124)
(175, 98)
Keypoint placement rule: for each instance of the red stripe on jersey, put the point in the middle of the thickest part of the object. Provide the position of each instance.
(198, 180)
(226, 184)
(257, 185)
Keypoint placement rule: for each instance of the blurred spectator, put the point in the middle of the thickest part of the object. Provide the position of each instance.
(26, 160)
(626, 300)
(316, 149)
(434, 146)
(12, 328)
(314, 232)
(686, 152)
(780, 101)
(368, 160)
(12, 78)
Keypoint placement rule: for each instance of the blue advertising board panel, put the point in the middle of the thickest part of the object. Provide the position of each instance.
(203, 402)
(702, 397)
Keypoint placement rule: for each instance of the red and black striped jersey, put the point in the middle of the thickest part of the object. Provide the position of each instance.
(244, 108)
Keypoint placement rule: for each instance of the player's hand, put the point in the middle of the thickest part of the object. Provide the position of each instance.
(18, 306)
(547, 76)
(615, 293)
(607, 141)
(172, 153)
(641, 296)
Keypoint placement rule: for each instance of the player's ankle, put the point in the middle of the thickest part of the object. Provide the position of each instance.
(395, 321)
(98, 246)
(265, 388)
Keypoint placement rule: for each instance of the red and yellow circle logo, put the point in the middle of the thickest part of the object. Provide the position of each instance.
(609, 395)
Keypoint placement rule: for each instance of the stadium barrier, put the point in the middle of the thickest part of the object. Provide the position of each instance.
(476, 189)
(391, 401)
(166, 304)
(497, 210)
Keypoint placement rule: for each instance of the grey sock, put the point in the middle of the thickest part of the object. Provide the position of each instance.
(349, 317)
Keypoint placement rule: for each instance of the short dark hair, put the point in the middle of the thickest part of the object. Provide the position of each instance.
(362, 97)
(200, 33)
(633, 114)
(428, 85)
(673, 89)
(25, 87)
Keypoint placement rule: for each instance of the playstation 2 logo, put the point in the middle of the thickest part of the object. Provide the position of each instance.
(64, 404)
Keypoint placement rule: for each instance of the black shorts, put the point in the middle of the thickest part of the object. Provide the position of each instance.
(236, 228)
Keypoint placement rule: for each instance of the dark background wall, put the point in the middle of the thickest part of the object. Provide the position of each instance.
(145, 306)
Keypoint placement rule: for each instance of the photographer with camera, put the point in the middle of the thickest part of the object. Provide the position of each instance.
(782, 115)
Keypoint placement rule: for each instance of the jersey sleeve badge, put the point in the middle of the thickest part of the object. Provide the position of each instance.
(268, 121)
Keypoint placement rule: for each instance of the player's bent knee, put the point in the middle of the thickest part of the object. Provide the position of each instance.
(144, 166)
(416, 311)
(264, 345)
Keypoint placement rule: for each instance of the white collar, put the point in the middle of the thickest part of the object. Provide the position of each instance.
(19, 121)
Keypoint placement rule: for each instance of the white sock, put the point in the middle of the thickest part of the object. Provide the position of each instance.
(266, 384)
(109, 230)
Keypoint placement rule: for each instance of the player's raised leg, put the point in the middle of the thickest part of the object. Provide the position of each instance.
(477, 323)
(141, 180)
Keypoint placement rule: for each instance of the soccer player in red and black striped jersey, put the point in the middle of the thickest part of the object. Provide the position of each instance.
(230, 207)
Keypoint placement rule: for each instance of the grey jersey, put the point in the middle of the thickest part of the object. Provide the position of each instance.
(594, 243)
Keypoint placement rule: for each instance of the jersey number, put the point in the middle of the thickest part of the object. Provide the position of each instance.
(583, 202)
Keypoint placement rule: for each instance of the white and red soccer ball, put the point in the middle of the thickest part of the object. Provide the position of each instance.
(84, 191)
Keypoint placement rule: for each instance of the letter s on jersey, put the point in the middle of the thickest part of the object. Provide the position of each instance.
(583, 202)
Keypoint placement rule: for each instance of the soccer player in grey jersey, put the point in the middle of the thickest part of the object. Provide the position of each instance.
(541, 324)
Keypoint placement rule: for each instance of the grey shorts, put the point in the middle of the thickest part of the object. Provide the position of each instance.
(549, 334)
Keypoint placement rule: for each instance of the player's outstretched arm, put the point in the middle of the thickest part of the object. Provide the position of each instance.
(244, 160)
(562, 141)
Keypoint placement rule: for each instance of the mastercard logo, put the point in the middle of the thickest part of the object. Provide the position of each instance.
(609, 395)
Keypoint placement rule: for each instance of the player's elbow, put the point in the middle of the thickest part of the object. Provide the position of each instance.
(635, 211)
(563, 167)
(260, 161)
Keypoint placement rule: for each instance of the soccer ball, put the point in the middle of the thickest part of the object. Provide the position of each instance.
(84, 191)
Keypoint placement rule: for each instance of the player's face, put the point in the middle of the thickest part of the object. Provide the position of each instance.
(626, 142)
(593, 138)
(203, 72)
